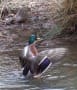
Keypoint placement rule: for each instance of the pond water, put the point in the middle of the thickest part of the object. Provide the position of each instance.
(61, 77)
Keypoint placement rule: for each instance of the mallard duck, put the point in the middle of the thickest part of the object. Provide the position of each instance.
(30, 57)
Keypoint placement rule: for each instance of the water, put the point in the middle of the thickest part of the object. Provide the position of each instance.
(61, 77)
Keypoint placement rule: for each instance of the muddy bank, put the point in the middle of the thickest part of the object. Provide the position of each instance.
(41, 17)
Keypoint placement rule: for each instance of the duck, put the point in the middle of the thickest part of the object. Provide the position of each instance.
(30, 57)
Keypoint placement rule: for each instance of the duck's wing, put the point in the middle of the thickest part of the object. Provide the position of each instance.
(55, 54)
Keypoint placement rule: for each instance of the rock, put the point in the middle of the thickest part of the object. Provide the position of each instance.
(21, 15)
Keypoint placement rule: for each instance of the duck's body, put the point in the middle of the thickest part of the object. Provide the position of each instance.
(28, 59)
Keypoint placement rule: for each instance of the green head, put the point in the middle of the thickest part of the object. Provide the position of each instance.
(32, 38)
